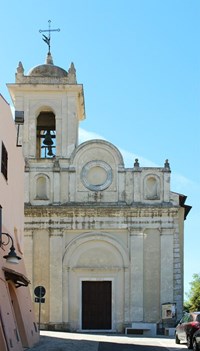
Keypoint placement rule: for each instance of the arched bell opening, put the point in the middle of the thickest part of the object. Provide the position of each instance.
(46, 135)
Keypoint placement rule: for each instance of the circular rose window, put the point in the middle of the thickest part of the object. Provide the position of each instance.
(96, 175)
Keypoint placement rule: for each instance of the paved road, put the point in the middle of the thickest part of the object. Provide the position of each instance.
(56, 341)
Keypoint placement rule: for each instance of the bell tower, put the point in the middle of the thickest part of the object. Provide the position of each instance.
(52, 104)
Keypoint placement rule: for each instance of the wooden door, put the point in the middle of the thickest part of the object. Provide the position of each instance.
(96, 305)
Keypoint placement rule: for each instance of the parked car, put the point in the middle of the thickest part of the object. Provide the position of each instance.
(196, 341)
(187, 326)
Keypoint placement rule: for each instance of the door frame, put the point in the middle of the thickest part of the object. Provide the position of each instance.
(98, 279)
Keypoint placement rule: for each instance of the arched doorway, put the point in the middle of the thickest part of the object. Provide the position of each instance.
(94, 286)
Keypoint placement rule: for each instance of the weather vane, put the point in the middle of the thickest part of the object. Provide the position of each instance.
(46, 39)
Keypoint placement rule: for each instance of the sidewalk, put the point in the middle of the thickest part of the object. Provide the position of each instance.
(53, 341)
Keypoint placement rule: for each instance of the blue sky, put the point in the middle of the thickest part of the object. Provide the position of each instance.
(139, 62)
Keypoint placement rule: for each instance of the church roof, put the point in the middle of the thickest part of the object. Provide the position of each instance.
(48, 70)
(46, 73)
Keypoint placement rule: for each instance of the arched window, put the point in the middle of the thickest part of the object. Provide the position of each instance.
(46, 135)
(41, 188)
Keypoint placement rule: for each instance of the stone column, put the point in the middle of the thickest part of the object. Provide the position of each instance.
(56, 186)
(56, 253)
(126, 295)
(66, 294)
(137, 184)
(32, 137)
(166, 269)
(178, 265)
(26, 186)
(166, 185)
(59, 133)
(26, 141)
(72, 131)
(41, 263)
(136, 276)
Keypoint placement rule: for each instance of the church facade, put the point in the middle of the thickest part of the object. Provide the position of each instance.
(104, 240)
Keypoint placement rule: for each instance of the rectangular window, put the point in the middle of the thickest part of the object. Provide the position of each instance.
(4, 161)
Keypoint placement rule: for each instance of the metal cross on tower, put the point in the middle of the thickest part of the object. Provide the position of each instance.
(46, 39)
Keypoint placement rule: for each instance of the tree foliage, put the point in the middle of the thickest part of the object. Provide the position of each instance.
(193, 302)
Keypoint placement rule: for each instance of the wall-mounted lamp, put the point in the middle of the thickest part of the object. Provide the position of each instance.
(12, 256)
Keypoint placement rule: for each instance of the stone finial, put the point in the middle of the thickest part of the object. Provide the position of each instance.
(167, 165)
(136, 163)
(72, 74)
(20, 68)
(49, 59)
(72, 69)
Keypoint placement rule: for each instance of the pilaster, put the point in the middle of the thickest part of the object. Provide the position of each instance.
(166, 269)
(136, 275)
(55, 290)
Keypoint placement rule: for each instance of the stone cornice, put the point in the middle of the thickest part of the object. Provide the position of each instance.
(103, 209)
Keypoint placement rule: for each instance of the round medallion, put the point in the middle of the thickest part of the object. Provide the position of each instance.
(96, 175)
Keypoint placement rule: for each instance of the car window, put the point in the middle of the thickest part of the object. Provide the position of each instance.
(185, 318)
(198, 317)
(191, 318)
(182, 319)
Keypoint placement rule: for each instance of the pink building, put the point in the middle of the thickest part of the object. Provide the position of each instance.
(18, 327)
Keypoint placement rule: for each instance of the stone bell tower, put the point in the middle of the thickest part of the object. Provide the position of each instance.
(48, 107)
(52, 104)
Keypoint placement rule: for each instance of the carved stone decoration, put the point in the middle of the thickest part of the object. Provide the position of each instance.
(167, 165)
(136, 163)
(96, 175)
(72, 74)
(19, 75)
(20, 68)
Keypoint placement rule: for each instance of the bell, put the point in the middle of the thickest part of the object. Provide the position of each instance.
(47, 139)
(50, 153)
